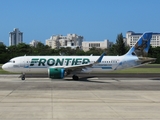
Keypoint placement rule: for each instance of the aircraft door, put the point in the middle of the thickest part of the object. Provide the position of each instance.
(22, 62)
(25, 64)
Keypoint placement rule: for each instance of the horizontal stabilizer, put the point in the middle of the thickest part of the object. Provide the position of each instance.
(144, 60)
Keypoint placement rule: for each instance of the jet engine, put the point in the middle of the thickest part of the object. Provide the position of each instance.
(56, 73)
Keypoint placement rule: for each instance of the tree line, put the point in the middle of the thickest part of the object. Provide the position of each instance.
(119, 48)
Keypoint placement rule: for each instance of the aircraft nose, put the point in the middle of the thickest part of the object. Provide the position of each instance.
(4, 67)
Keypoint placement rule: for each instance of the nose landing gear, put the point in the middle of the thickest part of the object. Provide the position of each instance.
(23, 76)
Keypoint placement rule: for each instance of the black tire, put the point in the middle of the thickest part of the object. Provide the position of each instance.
(23, 78)
(74, 77)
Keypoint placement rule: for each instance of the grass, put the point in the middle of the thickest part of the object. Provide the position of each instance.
(153, 65)
(4, 72)
(138, 70)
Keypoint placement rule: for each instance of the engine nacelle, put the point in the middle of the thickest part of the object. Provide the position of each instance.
(56, 73)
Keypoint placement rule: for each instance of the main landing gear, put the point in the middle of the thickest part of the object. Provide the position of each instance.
(75, 77)
(23, 76)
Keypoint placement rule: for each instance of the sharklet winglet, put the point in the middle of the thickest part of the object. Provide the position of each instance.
(100, 58)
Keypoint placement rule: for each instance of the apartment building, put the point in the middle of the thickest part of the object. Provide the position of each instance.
(132, 37)
(71, 40)
(97, 44)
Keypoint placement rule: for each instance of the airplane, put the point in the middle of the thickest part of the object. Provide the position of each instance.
(58, 67)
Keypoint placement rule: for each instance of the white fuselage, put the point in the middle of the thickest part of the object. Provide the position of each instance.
(41, 64)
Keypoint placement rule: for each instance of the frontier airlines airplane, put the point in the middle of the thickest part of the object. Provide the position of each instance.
(58, 67)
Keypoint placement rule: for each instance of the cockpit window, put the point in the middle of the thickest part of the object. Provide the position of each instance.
(11, 61)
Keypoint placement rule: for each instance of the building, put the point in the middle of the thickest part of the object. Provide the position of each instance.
(1, 43)
(71, 40)
(98, 44)
(15, 37)
(34, 43)
(132, 37)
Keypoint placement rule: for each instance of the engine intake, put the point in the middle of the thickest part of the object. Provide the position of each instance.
(56, 73)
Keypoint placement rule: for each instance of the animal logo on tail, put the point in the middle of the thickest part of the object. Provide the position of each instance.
(140, 49)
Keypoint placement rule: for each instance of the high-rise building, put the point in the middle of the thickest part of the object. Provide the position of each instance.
(132, 37)
(15, 37)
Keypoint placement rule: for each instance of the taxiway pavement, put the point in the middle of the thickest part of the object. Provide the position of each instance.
(87, 99)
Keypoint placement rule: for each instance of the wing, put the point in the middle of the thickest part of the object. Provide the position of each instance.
(80, 67)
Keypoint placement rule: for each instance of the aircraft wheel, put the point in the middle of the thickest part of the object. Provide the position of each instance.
(75, 77)
(23, 77)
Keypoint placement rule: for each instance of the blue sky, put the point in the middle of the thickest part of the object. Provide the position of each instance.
(96, 20)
